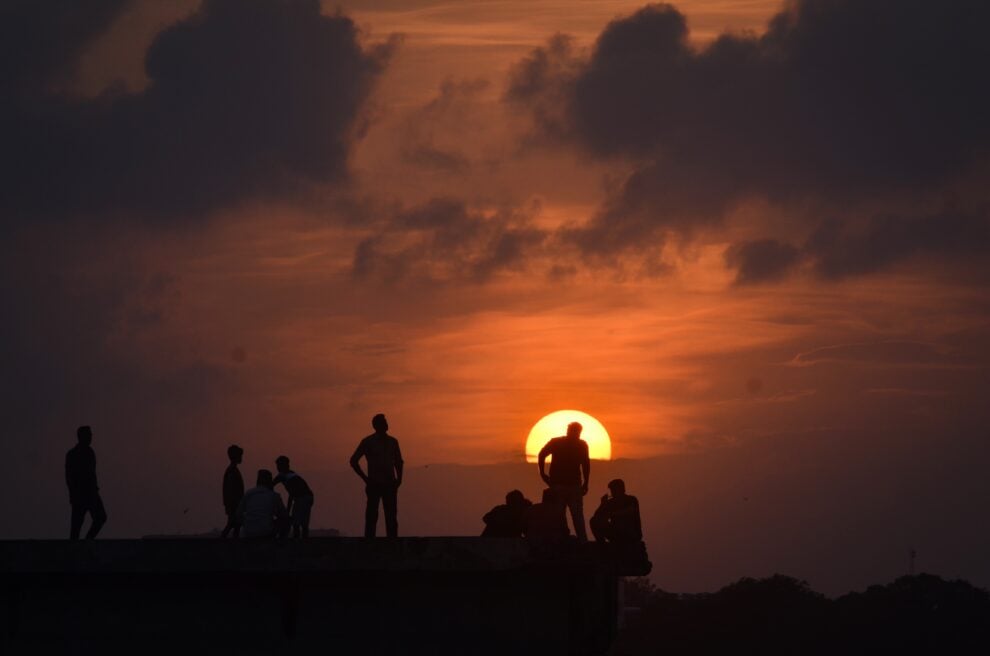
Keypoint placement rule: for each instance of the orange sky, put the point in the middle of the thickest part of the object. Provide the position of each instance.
(260, 322)
(662, 360)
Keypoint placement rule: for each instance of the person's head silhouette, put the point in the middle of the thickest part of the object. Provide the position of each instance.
(84, 435)
(235, 453)
(379, 423)
(282, 464)
(265, 478)
(574, 430)
(617, 487)
(514, 498)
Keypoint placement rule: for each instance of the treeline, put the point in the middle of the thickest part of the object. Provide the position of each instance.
(921, 614)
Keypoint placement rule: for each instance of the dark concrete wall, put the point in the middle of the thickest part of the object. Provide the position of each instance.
(338, 595)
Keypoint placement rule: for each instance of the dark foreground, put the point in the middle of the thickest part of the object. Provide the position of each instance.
(340, 595)
(920, 614)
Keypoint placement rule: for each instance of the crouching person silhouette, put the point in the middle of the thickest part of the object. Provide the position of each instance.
(507, 520)
(300, 505)
(545, 521)
(261, 512)
(233, 490)
(617, 518)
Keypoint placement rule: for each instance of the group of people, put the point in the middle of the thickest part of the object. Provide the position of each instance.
(259, 513)
(616, 519)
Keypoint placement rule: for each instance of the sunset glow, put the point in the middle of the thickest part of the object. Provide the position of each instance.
(752, 236)
(555, 424)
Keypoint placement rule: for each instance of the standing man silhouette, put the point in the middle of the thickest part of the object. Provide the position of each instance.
(384, 476)
(233, 490)
(570, 468)
(84, 493)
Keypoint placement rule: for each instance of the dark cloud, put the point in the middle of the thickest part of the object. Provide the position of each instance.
(247, 98)
(762, 260)
(40, 41)
(430, 139)
(840, 101)
(444, 239)
(839, 249)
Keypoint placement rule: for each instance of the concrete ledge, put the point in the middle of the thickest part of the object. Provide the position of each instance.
(434, 554)
(346, 595)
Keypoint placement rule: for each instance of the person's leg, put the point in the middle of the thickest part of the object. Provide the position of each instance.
(305, 511)
(99, 516)
(575, 502)
(294, 522)
(282, 527)
(371, 510)
(390, 503)
(231, 526)
(76, 522)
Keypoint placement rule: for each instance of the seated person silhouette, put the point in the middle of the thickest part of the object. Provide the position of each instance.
(233, 490)
(300, 504)
(617, 518)
(545, 520)
(261, 512)
(507, 520)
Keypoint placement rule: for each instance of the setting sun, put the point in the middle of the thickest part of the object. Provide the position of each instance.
(555, 424)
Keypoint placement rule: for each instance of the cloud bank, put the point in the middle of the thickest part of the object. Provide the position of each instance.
(247, 99)
(842, 104)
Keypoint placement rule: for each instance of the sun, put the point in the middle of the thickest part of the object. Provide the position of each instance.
(555, 425)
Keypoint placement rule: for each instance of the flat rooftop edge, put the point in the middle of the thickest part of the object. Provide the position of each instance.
(329, 555)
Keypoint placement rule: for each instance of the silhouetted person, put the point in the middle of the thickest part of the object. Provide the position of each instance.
(233, 490)
(384, 476)
(508, 520)
(261, 511)
(570, 468)
(300, 497)
(84, 493)
(545, 520)
(617, 518)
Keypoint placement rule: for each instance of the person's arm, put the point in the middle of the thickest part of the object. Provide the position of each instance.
(283, 479)
(398, 465)
(639, 526)
(356, 462)
(586, 470)
(228, 488)
(281, 518)
(241, 507)
(602, 512)
(544, 452)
